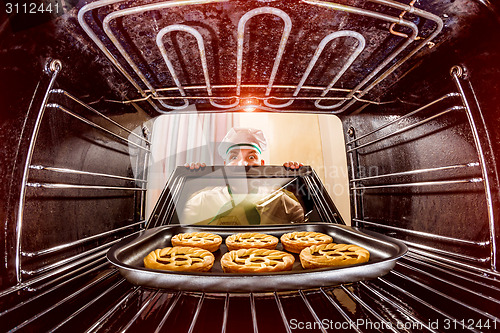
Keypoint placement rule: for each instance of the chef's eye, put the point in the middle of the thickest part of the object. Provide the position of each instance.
(233, 157)
(252, 157)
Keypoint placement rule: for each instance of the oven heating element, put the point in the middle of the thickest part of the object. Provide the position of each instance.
(152, 95)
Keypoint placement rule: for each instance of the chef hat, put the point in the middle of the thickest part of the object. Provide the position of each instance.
(243, 138)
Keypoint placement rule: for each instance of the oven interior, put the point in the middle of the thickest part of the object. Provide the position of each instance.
(415, 85)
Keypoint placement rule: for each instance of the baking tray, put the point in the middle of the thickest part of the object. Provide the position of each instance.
(129, 253)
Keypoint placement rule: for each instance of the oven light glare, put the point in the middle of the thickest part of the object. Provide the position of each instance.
(249, 105)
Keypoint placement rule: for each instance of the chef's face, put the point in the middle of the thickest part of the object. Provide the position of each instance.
(243, 157)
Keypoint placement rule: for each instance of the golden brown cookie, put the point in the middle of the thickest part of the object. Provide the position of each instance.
(299, 240)
(251, 240)
(179, 258)
(256, 261)
(204, 240)
(328, 255)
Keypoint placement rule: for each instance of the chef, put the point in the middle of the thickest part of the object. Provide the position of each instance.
(225, 205)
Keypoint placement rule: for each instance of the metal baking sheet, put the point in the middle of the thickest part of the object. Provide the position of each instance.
(128, 256)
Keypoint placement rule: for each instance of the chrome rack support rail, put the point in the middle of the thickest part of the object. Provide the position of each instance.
(404, 117)
(80, 172)
(424, 234)
(474, 117)
(418, 171)
(66, 299)
(407, 128)
(88, 107)
(55, 67)
(92, 124)
(80, 241)
(453, 299)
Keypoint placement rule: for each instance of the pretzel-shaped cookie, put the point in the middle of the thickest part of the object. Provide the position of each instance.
(204, 240)
(256, 261)
(180, 258)
(327, 255)
(250, 240)
(299, 240)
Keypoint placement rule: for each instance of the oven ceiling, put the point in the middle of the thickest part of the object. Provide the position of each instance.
(212, 52)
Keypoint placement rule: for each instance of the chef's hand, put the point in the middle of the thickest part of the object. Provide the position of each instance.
(195, 166)
(293, 165)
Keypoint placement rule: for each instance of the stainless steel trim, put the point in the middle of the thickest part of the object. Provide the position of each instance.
(169, 311)
(404, 117)
(418, 171)
(86, 306)
(64, 300)
(88, 107)
(87, 187)
(78, 242)
(404, 129)
(397, 306)
(352, 324)
(311, 310)
(425, 234)
(430, 183)
(22, 196)
(451, 298)
(92, 124)
(282, 313)
(480, 152)
(373, 312)
(124, 299)
(80, 172)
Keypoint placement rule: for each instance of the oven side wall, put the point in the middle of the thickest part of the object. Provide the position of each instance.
(459, 211)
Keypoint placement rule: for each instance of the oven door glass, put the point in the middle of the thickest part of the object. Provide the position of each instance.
(263, 195)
